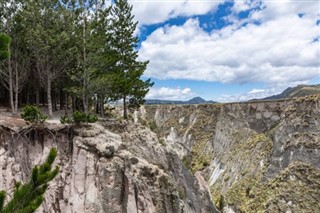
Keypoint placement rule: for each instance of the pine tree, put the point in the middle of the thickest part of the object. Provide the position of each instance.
(4, 46)
(128, 84)
(28, 197)
(48, 41)
(15, 71)
(89, 31)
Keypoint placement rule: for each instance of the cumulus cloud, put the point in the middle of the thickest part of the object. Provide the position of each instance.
(157, 11)
(281, 50)
(166, 93)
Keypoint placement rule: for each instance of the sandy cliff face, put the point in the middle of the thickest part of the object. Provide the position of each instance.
(259, 156)
(116, 167)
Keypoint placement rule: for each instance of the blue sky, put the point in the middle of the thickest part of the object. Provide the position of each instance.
(228, 50)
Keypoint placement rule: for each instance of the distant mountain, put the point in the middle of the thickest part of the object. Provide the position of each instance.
(195, 100)
(298, 91)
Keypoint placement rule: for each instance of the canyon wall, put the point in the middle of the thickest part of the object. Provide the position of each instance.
(256, 156)
(108, 167)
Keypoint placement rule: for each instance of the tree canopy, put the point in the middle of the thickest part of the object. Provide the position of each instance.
(4, 46)
(79, 52)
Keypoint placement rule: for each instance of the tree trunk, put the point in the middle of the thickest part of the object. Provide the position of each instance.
(37, 96)
(73, 103)
(11, 88)
(125, 113)
(43, 97)
(49, 97)
(61, 96)
(66, 104)
(16, 90)
(102, 107)
(85, 104)
(54, 100)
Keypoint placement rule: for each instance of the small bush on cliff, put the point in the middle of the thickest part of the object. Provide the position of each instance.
(32, 114)
(28, 197)
(65, 119)
(78, 118)
(92, 118)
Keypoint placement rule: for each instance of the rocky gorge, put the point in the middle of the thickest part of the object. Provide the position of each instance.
(106, 167)
(238, 157)
(258, 156)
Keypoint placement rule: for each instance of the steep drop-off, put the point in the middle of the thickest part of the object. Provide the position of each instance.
(257, 156)
(109, 167)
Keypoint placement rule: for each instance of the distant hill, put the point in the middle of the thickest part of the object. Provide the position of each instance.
(195, 100)
(298, 91)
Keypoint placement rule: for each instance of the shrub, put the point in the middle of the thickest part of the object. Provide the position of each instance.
(32, 114)
(65, 119)
(78, 118)
(92, 118)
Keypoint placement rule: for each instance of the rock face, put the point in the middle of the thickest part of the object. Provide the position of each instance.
(104, 168)
(256, 156)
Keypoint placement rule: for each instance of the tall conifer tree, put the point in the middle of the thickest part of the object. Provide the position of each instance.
(128, 84)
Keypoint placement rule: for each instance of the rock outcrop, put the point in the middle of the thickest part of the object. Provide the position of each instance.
(118, 167)
(256, 156)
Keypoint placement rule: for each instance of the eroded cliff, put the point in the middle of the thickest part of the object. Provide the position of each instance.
(257, 156)
(109, 167)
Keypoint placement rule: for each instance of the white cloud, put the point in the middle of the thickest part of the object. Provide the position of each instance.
(278, 51)
(158, 11)
(166, 93)
(256, 91)
(253, 94)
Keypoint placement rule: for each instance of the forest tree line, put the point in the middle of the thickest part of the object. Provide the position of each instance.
(71, 51)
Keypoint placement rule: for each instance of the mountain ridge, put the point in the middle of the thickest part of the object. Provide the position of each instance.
(194, 100)
(294, 92)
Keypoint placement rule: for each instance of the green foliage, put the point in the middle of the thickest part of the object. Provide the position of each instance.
(186, 161)
(153, 126)
(32, 114)
(182, 193)
(79, 117)
(28, 197)
(127, 82)
(65, 120)
(5, 41)
(92, 118)
(221, 203)
(2, 197)
(162, 142)
(89, 46)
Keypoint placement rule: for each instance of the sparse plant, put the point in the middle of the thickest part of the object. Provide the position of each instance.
(32, 114)
(162, 142)
(153, 126)
(142, 121)
(221, 203)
